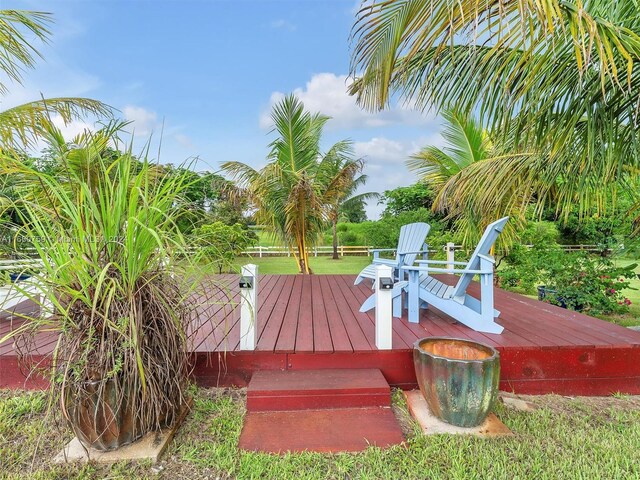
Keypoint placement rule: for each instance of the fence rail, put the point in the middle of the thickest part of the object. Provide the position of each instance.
(343, 250)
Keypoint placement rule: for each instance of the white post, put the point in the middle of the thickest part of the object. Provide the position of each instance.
(451, 253)
(260, 251)
(248, 307)
(383, 308)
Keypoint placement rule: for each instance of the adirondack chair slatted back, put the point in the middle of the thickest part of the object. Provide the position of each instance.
(411, 240)
(489, 237)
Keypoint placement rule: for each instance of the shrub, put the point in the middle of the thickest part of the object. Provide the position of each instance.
(589, 283)
(349, 238)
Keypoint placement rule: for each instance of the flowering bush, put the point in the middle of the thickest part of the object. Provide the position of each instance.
(590, 284)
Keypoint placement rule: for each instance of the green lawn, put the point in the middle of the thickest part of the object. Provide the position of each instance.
(565, 438)
(322, 264)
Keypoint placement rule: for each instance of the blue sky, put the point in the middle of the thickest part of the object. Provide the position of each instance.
(209, 72)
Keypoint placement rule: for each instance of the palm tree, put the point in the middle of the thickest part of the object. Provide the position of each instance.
(560, 77)
(467, 142)
(21, 125)
(346, 198)
(293, 192)
(447, 172)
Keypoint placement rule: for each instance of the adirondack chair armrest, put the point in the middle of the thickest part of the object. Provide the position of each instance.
(376, 251)
(448, 270)
(441, 262)
(385, 261)
(415, 253)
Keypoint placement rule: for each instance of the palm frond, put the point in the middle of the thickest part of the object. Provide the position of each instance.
(17, 51)
(22, 125)
(560, 77)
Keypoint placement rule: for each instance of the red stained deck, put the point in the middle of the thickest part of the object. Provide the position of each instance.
(312, 322)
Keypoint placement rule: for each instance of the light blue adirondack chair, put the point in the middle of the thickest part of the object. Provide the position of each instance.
(410, 245)
(453, 300)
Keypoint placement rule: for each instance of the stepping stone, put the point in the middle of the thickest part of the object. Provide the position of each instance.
(432, 425)
(271, 390)
(325, 430)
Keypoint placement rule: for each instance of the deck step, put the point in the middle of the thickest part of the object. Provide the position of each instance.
(326, 430)
(271, 390)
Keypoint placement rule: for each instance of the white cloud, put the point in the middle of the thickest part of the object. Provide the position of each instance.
(283, 24)
(144, 121)
(327, 93)
(385, 164)
(382, 150)
(73, 128)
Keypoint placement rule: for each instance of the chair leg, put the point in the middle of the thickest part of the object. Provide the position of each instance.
(413, 300)
(486, 298)
(397, 305)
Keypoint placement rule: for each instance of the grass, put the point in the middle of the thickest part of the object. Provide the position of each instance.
(321, 265)
(566, 437)
(633, 294)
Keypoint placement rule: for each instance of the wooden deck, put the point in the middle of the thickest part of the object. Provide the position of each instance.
(311, 322)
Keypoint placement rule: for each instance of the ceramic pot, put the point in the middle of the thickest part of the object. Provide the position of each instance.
(458, 378)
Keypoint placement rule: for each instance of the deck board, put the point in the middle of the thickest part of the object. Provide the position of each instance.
(314, 322)
(304, 328)
(321, 332)
(273, 324)
(339, 336)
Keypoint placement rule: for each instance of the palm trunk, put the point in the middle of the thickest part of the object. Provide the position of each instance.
(334, 222)
(302, 256)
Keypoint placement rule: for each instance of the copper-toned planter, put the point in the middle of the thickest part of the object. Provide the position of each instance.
(458, 378)
(101, 416)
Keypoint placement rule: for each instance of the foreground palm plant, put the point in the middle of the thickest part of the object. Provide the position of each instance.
(21, 125)
(117, 286)
(558, 76)
(296, 190)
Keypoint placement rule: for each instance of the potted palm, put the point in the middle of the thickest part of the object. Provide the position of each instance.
(103, 224)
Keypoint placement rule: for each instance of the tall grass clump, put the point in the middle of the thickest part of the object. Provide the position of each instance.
(116, 284)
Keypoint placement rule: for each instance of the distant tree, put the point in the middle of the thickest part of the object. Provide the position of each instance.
(221, 243)
(446, 172)
(209, 197)
(407, 199)
(353, 212)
